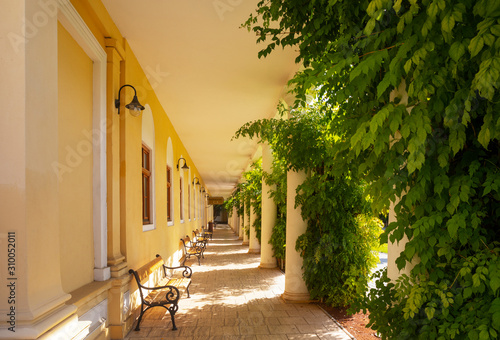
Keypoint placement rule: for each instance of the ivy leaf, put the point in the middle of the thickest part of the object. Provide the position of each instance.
(457, 50)
(457, 139)
(394, 125)
(467, 292)
(443, 160)
(384, 84)
(370, 26)
(496, 320)
(407, 66)
(397, 5)
(495, 30)
(452, 226)
(476, 45)
(409, 251)
(432, 241)
(429, 311)
(495, 283)
(426, 27)
(448, 23)
(484, 137)
(484, 335)
(432, 10)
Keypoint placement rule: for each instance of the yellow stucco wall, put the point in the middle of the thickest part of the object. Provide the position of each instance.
(75, 151)
(136, 245)
(52, 87)
(142, 246)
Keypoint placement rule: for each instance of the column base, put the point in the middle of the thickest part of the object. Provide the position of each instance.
(245, 243)
(296, 297)
(240, 238)
(119, 270)
(268, 265)
(254, 251)
(102, 274)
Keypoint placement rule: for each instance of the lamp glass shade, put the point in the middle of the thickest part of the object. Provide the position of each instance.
(135, 107)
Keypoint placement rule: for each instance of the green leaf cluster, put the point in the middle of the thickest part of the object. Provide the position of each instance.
(411, 89)
(341, 234)
(249, 192)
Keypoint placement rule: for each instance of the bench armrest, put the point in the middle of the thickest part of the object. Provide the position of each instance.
(187, 272)
(194, 246)
(172, 295)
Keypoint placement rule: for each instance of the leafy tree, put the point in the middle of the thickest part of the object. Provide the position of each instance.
(277, 178)
(411, 91)
(249, 191)
(341, 233)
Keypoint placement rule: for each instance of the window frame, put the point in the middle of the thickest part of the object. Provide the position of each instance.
(181, 196)
(147, 175)
(189, 201)
(169, 194)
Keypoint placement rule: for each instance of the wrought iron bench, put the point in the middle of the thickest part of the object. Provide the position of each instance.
(191, 249)
(166, 293)
(200, 241)
(206, 233)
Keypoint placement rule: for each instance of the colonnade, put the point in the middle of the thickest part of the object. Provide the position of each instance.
(295, 287)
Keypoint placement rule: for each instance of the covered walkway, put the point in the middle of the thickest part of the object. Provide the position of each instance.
(231, 298)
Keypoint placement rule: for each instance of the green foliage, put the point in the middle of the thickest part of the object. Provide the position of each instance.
(337, 246)
(249, 192)
(278, 239)
(416, 88)
(442, 308)
(234, 201)
(277, 180)
(341, 234)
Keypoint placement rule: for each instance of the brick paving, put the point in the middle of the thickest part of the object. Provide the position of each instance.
(231, 298)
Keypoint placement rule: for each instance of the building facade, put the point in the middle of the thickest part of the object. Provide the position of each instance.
(88, 190)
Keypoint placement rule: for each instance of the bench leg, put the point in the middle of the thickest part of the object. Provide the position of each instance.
(137, 328)
(172, 310)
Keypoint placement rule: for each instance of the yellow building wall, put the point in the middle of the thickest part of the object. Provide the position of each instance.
(142, 246)
(75, 152)
(137, 245)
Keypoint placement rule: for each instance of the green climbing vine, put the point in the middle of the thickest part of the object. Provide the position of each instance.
(341, 233)
(276, 179)
(249, 191)
(411, 90)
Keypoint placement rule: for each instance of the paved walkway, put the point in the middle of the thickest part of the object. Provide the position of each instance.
(231, 298)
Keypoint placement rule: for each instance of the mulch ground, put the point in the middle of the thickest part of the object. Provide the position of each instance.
(354, 324)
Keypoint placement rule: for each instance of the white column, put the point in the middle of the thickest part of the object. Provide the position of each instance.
(295, 287)
(247, 224)
(269, 213)
(29, 147)
(394, 250)
(253, 244)
(236, 221)
(242, 223)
